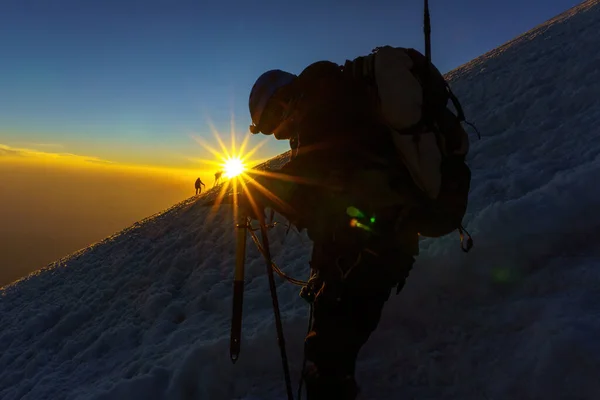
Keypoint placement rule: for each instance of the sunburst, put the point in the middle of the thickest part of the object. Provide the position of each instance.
(233, 167)
(235, 164)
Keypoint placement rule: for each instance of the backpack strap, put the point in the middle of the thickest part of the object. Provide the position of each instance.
(460, 114)
(459, 110)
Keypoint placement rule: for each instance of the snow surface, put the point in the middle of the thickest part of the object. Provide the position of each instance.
(145, 314)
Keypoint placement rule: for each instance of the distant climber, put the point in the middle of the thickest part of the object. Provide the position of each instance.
(218, 175)
(378, 158)
(198, 186)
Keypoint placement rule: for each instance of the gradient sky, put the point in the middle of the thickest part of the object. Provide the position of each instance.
(130, 81)
(100, 100)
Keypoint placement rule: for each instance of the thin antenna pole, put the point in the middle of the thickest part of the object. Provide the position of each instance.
(427, 31)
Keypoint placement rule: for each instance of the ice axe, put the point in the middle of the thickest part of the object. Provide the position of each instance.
(241, 229)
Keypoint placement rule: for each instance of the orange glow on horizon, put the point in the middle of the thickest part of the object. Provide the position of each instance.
(29, 157)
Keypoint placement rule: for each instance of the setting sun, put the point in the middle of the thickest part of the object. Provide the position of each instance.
(239, 172)
(233, 167)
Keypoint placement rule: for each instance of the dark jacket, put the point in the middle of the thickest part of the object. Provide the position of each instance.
(343, 147)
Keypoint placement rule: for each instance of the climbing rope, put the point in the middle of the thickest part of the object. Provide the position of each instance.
(261, 249)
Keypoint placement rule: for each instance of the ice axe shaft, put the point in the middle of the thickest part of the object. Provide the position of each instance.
(427, 30)
(241, 230)
(277, 314)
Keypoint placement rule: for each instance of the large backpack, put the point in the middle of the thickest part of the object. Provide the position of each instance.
(429, 138)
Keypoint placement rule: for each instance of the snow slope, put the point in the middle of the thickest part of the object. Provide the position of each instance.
(145, 313)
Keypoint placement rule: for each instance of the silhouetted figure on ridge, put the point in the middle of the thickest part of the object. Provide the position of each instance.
(218, 175)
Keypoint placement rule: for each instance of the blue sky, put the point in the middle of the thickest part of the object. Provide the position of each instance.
(129, 81)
